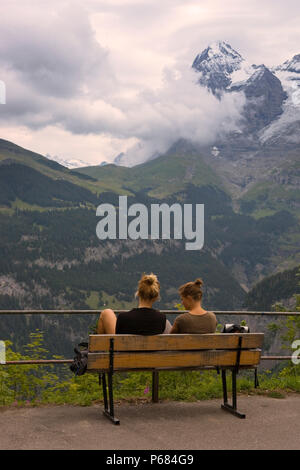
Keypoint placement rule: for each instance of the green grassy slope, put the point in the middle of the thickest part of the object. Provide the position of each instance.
(12, 153)
(161, 177)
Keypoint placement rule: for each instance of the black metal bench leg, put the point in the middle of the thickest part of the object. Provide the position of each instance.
(104, 391)
(155, 384)
(226, 406)
(256, 382)
(109, 413)
(224, 383)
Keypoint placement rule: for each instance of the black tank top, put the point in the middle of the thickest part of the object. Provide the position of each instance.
(141, 321)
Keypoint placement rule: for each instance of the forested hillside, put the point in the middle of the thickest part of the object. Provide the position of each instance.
(280, 288)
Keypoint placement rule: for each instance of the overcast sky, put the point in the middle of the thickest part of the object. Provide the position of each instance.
(88, 79)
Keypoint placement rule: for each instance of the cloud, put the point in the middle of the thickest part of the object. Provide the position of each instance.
(179, 109)
(115, 72)
(56, 54)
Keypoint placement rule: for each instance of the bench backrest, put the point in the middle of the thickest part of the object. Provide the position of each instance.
(174, 351)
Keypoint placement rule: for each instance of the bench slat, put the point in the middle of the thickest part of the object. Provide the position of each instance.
(173, 359)
(174, 342)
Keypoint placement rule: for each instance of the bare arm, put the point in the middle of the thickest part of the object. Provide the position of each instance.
(167, 328)
(175, 328)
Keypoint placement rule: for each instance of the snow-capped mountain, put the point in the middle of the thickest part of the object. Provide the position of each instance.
(286, 129)
(269, 136)
(216, 65)
(292, 65)
(220, 68)
(271, 113)
(69, 163)
(289, 75)
(223, 69)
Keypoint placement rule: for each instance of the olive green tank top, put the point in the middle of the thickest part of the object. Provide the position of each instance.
(195, 324)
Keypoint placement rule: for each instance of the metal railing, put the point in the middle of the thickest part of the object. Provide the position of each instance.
(167, 312)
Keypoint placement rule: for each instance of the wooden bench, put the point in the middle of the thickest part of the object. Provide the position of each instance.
(116, 353)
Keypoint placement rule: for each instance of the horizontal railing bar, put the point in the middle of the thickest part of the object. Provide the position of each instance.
(38, 361)
(167, 312)
(276, 358)
(69, 361)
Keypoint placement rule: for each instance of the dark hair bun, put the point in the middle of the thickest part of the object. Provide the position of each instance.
(192, 289)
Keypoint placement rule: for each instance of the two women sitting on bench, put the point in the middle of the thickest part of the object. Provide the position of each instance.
(145, 320)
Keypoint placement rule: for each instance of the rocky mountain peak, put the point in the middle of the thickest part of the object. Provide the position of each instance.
(292, 65)
(215, 64)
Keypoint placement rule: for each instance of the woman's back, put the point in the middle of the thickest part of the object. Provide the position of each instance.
(195, 324)
(141, 321)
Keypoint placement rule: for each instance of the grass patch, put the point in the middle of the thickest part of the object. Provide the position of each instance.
(135, 387)
(114, 303)
(93, 300)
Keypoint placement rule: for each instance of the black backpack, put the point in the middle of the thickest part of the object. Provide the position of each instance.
(233, 328)
(79, 364)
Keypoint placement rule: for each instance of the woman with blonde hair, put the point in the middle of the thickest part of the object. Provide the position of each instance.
(196, 320)
(143, 320)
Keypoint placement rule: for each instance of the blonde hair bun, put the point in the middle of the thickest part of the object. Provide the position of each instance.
(198, 282)
(148, 287)
(150, 279)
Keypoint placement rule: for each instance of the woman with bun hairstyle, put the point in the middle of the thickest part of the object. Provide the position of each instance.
(196, 320)
(143, 320)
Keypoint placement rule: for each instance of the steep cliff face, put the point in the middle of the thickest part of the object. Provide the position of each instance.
(265, 98)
